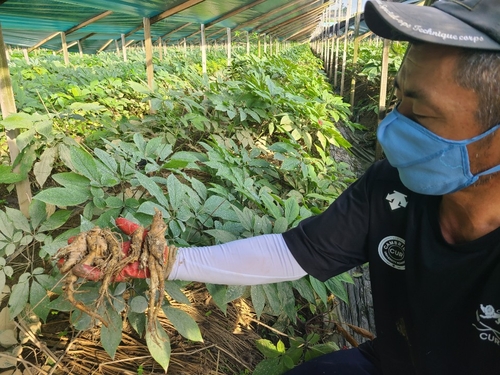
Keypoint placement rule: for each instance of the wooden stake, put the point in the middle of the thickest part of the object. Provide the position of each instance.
(203, 47)
(65, 48)
(124, 48)
(160, 49)
(356, 50)
(344, 55)
(8, 107)
(248, 43)
(26, 57)
(148, 49)
(228, 31)
(80, 48)
(337, 42)
(383, 92)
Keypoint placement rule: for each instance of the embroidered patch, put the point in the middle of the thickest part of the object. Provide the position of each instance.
(396, 200)
(392, 251)
(488, 324)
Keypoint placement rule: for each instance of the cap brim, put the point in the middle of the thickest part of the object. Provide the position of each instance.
(397, 21)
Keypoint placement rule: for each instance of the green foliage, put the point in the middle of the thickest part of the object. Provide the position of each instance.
(279, 359)
(239, 152)
(368, 70)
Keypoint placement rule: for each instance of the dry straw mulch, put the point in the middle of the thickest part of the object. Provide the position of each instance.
(228, 347)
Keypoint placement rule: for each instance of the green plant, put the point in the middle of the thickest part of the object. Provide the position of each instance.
(279, 359)
(240, 152)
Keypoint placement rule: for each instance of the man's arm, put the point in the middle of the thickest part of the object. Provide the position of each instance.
(250, 261)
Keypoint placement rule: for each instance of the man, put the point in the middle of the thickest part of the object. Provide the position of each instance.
(427, 219)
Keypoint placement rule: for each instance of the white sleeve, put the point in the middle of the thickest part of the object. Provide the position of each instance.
(250, 261)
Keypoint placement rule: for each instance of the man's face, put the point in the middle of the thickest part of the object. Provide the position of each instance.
(429, 95)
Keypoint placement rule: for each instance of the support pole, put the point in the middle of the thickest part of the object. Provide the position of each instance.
(248, 43)
(203, 47)
(383, 92)
(65, 48)
(337, 46)
(228, 31)
(124, 48)
(80, 50)
(26, 57)
(8, 107)
(323, 36)
(355, 53)
(148, 47)
(344, 56)
(160, 49)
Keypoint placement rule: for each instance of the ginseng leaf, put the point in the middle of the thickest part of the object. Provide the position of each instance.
(234, 292)
(183, 323)
(159, 345)
(18, 298)
(174, 291)
(64, 196)
(112, 334)
(37, 295)
(218, 293)
(84, 164)
(18, 219)
(319, 288)
(9, 177)
(258, 299)
(337, 288)
(287, 300)
(152, 188)
(43, 168)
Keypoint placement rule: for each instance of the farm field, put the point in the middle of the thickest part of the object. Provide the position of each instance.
(241, 151)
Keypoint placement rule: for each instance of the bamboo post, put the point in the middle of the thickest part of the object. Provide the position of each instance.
(65, 48)
(8, 107)
(203, 47)
(248, 43)
(117, 47)
(148, 47)
(325, 37)
(337, 46)
(148, 50)
(185, 45)
(160, 49)
(344, 55)
(26, 56)
(356, 50)
(383, 92)
(228, 31)
(124, 48)
(80, 50)
(258, 43)
(265, 44)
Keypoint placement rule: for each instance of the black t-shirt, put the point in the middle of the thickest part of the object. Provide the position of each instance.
(437, 306)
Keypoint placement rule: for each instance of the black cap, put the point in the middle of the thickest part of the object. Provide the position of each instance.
(460, 23)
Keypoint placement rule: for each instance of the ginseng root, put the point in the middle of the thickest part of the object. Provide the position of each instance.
(98, 255)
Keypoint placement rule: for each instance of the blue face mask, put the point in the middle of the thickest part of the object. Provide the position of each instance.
(427, 164)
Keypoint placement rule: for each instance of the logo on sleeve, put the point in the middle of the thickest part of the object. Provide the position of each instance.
(392, 251)
(488, 320)
(396, 200)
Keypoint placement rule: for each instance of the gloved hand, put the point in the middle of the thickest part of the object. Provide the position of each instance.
(134, 269)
